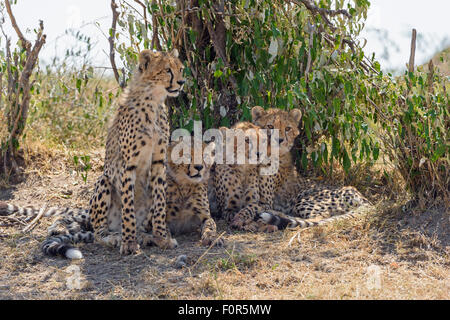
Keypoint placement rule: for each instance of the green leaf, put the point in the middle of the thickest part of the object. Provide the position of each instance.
(346, 161)
(78, 84)
(376, 151)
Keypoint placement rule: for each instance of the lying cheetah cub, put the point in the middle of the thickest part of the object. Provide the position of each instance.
(187, 194)
(236, 186)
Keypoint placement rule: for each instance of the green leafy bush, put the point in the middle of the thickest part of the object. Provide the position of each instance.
(414, 114)
(280, 54)
(298, 54)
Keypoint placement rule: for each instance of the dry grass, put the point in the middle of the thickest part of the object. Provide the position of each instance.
(333, 262)
(444, 65)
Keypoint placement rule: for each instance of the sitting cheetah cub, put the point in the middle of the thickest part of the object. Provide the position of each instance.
(135, 158)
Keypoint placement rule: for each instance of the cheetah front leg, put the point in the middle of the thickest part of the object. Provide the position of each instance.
(99, 207)
(258, 199)
(128, 181)
(158, 183)
(228, 199)
(200, 205)
(243, 220)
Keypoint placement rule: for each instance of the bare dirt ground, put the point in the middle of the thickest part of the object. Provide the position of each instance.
(386, 254)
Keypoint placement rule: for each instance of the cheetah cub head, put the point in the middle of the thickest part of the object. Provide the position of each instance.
(162, 70)
(187, 167)
(246, 143)
(285, 121)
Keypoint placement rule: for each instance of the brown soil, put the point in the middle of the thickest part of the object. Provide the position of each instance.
(386, 254)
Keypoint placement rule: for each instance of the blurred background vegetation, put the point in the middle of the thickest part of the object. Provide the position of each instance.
(277, 54)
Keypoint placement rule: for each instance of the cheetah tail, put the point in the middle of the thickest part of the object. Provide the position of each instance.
(30, 212)
(62, 244)
(282, 221)
(287, 222)
(7, 209)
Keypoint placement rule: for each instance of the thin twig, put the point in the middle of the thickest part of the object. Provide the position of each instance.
(311, 38)
(144, 9)
(296, 235)
(13, 219)
(20, 91)
(219, 50)
(24, 83)
(163, 16)
(207, 250)
(183, 28)
(35, 221)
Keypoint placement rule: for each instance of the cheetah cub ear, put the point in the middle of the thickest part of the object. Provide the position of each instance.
(257, 112)
(223, 130)
(209, 153)
(144, 59)
(174, 53)
(296, 114)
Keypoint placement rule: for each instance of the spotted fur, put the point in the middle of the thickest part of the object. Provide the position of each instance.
(187, 207)
(71, 226)
(288, 193)
(135, 158)
(236, 186)
(187, 195)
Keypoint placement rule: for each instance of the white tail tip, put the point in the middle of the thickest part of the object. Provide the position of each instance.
(74, 254)
(265, 216)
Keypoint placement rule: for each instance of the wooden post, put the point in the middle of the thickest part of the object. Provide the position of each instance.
(413, 51)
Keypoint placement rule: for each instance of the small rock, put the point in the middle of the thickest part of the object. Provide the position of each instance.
(180, 262)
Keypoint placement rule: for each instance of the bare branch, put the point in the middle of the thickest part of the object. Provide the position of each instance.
(162, 15)
(308, 64)
(112, 52)
(155, 37)
(219, 49)
(145, 12)
(24, 84)
(413, 51)
(19, 95)
(183, 29)
(26, 44)
(324, 13)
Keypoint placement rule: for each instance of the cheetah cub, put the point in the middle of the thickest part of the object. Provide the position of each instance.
(130, 195)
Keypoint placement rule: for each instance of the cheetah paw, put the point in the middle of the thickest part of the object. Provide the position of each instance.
(165, 243)
(240, 223)
(268, 228)
(111, 240)
(212, 239)
(145, 239)
(129, 247)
